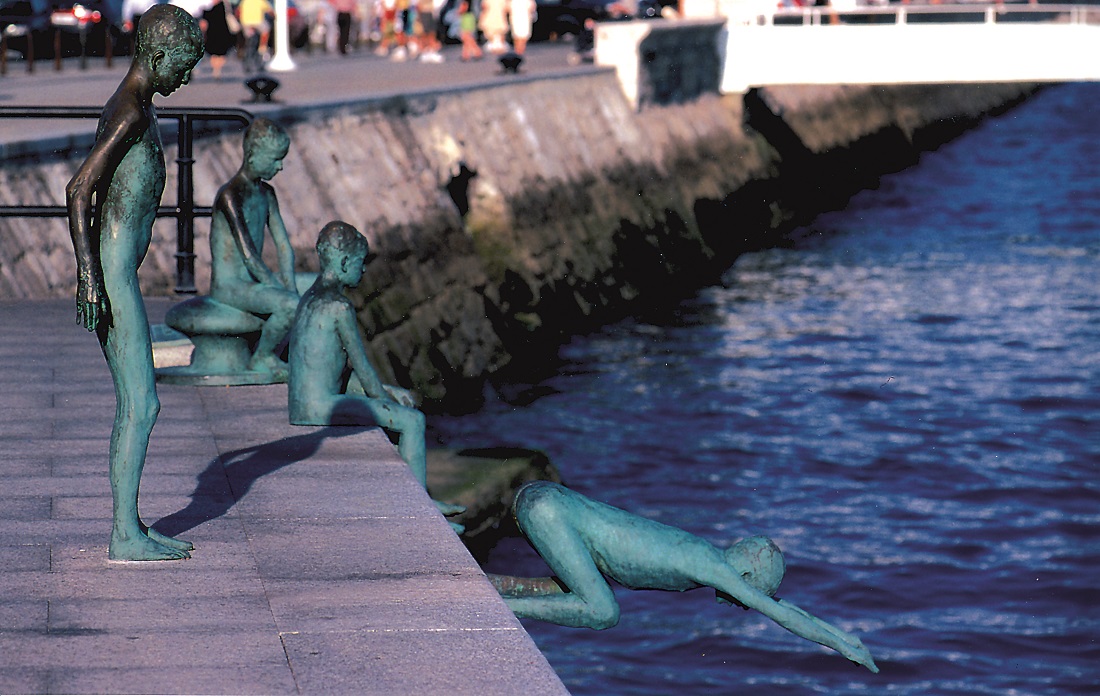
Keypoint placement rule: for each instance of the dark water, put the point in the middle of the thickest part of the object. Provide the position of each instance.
(907, 401)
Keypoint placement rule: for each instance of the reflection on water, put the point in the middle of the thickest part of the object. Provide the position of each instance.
(906, 401)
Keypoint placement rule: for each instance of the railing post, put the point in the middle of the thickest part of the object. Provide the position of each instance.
(185, 214)
(57, 50)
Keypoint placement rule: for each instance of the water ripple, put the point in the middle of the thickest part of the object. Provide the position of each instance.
(908, 402)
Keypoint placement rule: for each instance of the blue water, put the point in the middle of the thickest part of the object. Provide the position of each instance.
(907, 401)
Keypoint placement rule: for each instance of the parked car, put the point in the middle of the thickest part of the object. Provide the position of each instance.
(82, 26)
(21, 21)
(87, 25)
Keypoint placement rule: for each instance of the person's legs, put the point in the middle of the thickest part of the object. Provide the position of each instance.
(343, 22)
(126, 345)
(252, 60)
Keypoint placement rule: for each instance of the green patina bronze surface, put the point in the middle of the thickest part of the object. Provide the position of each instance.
(325, 342)
(583, 540)
(244, 208)
(246, 297)
(125, 175)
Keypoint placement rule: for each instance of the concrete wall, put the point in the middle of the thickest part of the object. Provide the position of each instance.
(579, 209)
(661, 61)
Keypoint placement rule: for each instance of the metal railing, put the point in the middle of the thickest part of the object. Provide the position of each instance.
(973, 13)
(184, 211)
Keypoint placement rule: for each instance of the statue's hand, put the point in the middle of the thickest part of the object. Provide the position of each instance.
(853, 649)
(91, 300)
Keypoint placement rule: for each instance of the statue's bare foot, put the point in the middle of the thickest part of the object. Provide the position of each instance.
(449, 509)
(139, 547)
(270, 364)
(167, 540)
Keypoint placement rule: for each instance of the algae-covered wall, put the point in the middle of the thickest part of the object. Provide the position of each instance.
(508, 217)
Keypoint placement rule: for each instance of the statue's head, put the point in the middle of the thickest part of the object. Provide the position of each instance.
(759, 562)
(265, 146)
(170, 40)
(343, 251)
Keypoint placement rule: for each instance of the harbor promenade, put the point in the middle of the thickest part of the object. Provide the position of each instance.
(320, 81)
(320, 566)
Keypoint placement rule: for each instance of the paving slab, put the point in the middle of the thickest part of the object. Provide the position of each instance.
(320, 565)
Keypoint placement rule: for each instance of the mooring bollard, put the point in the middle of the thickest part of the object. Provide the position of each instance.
(262, 87)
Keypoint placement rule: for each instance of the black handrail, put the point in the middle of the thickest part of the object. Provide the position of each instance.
(185, 211)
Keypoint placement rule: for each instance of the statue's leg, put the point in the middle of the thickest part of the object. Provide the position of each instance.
(128, 350)
(280, 306)
(546, 520)
(407, 422)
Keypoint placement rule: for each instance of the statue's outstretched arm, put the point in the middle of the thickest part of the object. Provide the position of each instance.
(804, 624)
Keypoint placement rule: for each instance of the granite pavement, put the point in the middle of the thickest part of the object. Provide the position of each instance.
(320, 566)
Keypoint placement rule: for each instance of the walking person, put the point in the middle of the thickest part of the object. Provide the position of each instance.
(346, 10)
(253, 15)
(521, 14)
(494, 24)
(217, 25)
(467, 20)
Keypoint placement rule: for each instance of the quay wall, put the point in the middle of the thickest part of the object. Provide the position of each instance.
(509, 217)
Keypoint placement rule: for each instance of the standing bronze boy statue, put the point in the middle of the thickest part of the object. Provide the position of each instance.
(125, 174)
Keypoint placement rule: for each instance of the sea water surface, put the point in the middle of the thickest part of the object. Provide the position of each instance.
(907, 399)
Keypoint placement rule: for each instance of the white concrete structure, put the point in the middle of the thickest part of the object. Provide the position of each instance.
(913, 44)
(619, 45)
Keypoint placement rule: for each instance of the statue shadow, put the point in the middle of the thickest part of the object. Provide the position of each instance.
(229, 477)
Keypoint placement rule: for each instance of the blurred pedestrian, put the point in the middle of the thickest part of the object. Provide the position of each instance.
(253, 16)
(218, 24)
(402, 30)
(494, 24)
(427, 39)
(345, 14)
(467, 21)
(521, 14)
(387, 19)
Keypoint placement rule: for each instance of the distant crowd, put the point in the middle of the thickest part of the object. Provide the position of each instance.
(399, 29)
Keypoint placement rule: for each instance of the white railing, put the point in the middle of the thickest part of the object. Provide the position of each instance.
(911, 44)
(964, 13)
